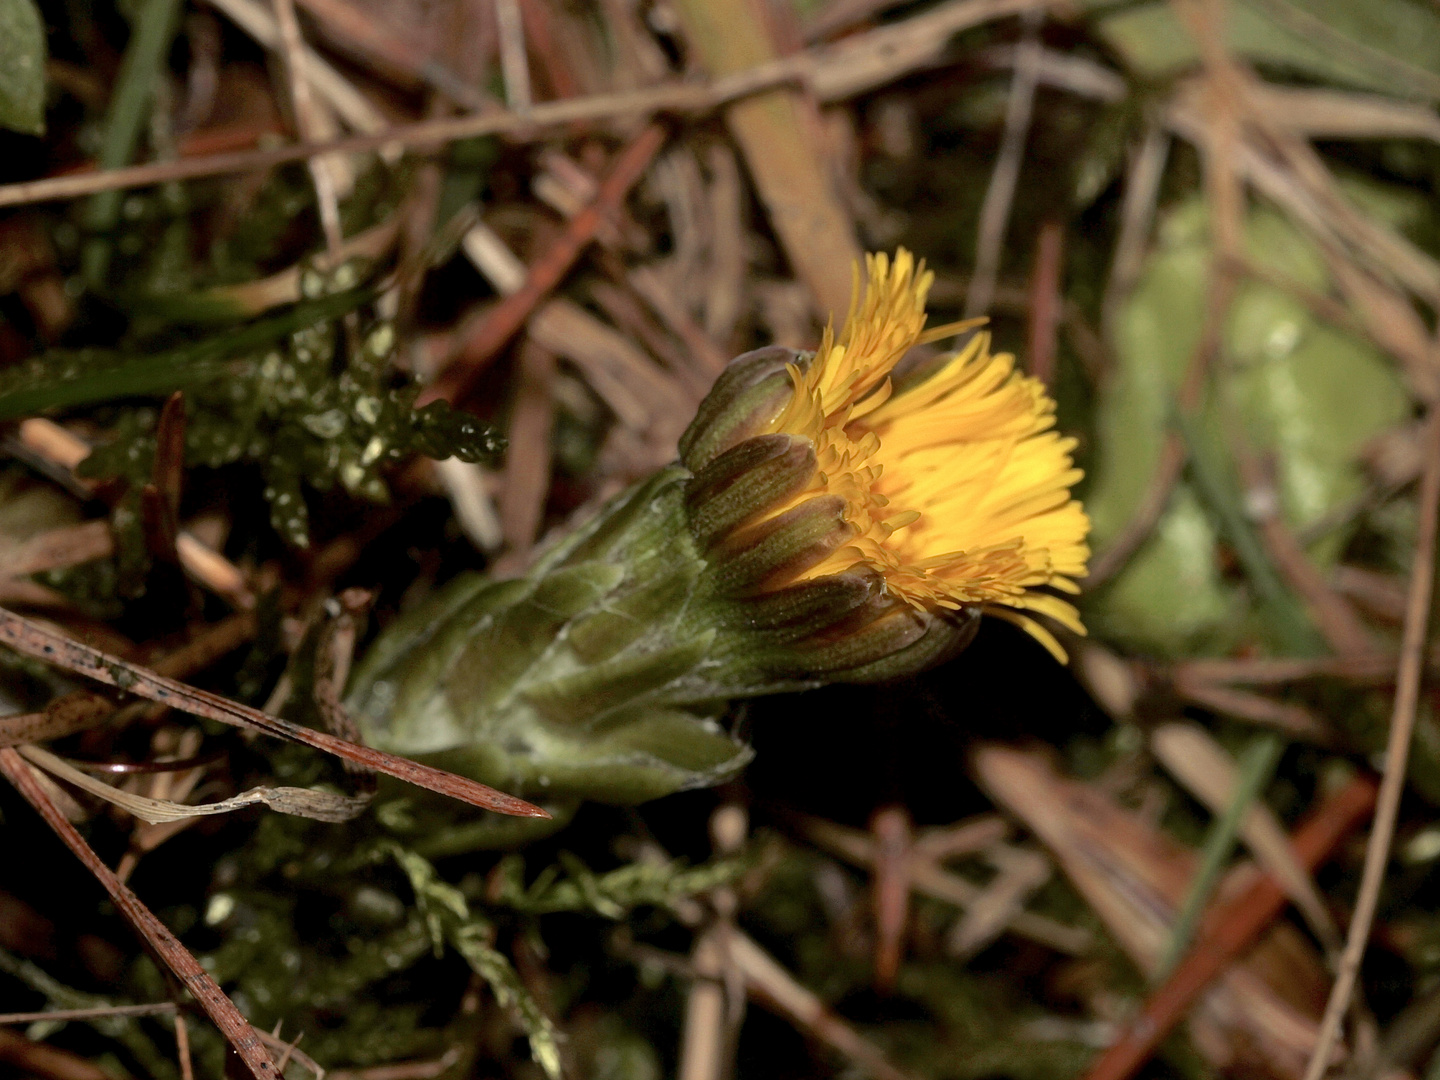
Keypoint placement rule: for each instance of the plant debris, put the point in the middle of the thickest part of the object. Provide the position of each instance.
(319, 319)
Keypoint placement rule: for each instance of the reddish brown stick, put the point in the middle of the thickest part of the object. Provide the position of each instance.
(39, 1059)
(1231, 931)
(1045, 300)
(541, 39)
(890, 891)
(221, 139)
(156, 935)
(483, 342)
(32, 639)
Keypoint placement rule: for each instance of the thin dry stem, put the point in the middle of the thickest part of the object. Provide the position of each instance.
(514, 63)
(1397, 753)
(182, 1047)
(835, 72)
(1137, 214)
(32, 639)
(159, 1008)
(322, 172)
(995, 211)
(186, 968)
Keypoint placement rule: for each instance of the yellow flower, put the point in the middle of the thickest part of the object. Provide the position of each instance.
(955, 485)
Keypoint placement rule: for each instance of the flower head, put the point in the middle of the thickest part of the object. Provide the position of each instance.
(955, 487)
(823, 524)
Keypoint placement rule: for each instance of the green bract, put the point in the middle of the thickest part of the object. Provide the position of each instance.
(604, 673)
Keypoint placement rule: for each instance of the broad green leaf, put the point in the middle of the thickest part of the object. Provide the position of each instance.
(22, 67)
(1391, 46)
(1308, 395)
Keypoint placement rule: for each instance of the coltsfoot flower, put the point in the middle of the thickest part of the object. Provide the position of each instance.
(827, 521)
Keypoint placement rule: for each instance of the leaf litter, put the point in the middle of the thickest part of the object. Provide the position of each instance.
(1207, 225)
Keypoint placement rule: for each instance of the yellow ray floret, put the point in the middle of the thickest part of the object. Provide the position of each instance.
(957, 487)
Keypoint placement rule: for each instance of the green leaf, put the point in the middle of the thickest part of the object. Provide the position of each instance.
(1309, 397)
(22, 67)
(1388, 46)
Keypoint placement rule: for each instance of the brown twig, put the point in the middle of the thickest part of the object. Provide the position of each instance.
(160, 499)
(1226, 199)
(81, 710)
(1046, 299)
(1171, 461)
(182, 1047)
(484, 340)
(1233, 928)
(843, 70)
(890, 889)
(1333, 615)
(32, 1058)
(536, 21)
(532, 126)
(1397, 752)
(1272, 671)
(156, 935)
(34, 640)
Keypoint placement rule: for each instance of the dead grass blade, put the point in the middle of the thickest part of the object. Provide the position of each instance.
(777, 132)
(1135, 877)
(30, 1058)
(851, 67)
(172, 955)
(931, 879)
(302, 802)
(1000, 193)
(1397, 753)
(770, 983)
(34, 640)
(480, 344)
(1233, 929)
(1209, 773)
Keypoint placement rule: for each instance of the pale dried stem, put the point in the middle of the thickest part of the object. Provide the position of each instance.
(1294, 720)
(159, 1008)
(303, 104)
(834, 72)
(182, 1047)
(702, 1041)
(159, 938)
(929, 878)
(514, 62)
(1137, 214)
(65, 450)
(1000, 194)
(1397, 752)
(777, 988)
